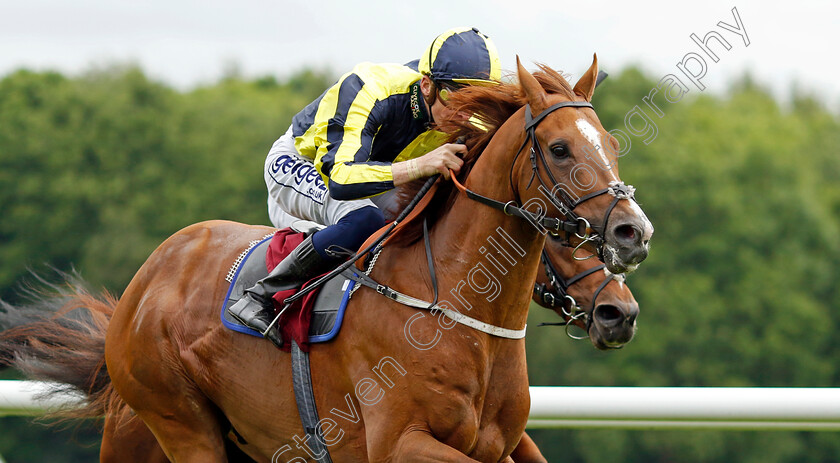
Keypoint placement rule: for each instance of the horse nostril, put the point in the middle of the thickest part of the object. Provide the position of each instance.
(608, 314)
(627, 233)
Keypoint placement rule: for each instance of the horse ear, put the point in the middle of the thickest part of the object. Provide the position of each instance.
(585, 87)
(533, 90)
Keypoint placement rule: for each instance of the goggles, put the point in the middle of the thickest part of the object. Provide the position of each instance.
(445, 90)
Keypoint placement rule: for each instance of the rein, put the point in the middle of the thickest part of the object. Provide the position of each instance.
(374, 242)
(573, 225)
(373, 246)
(365, 280)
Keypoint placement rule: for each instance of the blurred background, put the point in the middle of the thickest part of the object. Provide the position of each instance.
(121, 123)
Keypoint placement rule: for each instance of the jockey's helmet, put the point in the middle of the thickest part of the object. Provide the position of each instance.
(462, 56)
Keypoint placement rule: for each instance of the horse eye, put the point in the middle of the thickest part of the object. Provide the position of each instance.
(560, 150)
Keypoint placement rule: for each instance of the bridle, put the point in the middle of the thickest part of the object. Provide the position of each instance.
(556, 295)
(567, 204)
(571, 224)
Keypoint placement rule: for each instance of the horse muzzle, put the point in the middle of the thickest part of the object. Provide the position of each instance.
(613, 325)
(627, 243)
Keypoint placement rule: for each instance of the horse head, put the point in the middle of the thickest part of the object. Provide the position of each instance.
(571, 163)
(585, 294)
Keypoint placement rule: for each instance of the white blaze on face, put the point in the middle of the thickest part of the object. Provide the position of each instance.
(645, 221)
(594, 137)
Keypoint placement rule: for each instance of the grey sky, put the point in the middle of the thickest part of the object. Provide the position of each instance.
(188, 42)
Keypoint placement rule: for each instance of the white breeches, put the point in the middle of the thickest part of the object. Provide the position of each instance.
(296, 190)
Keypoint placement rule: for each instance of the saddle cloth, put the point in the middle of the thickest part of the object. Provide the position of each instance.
(315, 318)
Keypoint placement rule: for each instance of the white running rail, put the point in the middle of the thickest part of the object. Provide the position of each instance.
(730, 408)
(727, 408)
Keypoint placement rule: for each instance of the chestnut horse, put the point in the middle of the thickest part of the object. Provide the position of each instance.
(385, 393)
(131, 439)
(596, 299)
(593, 299)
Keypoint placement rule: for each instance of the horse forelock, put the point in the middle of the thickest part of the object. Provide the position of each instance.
(554, 83)
(490, 107)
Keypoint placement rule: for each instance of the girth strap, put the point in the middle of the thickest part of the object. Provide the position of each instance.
(305, 398)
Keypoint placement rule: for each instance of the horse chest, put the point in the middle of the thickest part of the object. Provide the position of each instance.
(485, 430)
(483, 414)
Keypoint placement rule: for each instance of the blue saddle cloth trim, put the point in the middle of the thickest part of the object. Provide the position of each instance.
(339, 316)
(230, 324)
(319, 311)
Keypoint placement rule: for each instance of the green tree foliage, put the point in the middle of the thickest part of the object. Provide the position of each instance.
(97, 170)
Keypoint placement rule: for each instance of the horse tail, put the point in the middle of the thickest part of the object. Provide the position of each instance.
(58, 335)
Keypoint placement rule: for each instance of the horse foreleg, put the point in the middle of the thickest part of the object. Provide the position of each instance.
(526, 451)
(420, 446)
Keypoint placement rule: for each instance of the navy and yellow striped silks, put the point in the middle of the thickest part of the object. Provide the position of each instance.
(371, 117)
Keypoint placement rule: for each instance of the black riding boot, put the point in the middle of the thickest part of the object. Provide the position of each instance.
(256, 308)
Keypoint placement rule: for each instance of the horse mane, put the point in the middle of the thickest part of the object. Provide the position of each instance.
(490, 107)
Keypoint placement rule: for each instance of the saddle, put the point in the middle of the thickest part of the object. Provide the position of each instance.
(316, 319)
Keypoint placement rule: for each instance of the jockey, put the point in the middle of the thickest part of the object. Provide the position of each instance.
(365, 135)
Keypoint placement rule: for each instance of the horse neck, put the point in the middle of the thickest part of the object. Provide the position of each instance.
(491, 258)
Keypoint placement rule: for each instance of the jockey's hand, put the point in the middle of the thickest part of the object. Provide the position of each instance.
(441, 159)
